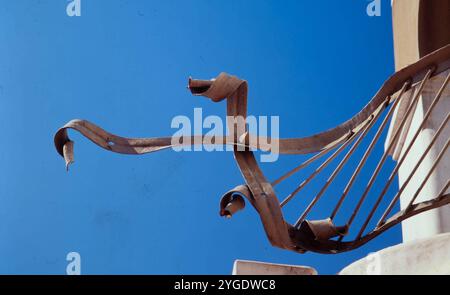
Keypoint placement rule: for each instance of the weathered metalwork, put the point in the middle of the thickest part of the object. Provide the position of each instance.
(322, 235)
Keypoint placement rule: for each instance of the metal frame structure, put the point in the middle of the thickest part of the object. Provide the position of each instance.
(322, 235)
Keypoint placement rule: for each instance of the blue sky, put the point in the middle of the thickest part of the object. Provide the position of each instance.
(124, 66)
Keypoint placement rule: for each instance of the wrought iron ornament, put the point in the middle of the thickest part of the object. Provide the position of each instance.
(323, 235)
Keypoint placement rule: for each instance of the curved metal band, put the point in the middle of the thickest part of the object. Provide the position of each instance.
(218, 89)
(260, 192)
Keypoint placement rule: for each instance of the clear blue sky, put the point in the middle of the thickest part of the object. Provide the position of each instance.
(124, 65)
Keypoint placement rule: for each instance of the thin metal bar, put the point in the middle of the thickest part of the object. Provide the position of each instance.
(303, 165)
(394, 172)
(401, 216)
(369, 149)
(319, 169)
(385, 154)
(419, 130)
(442, 192)
(433, 167)
(403, 186)
(411, 174)
(368, 126)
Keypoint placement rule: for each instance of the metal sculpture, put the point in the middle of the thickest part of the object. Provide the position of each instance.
(322, 235)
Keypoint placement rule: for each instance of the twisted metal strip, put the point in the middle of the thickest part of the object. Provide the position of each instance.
(257, 189)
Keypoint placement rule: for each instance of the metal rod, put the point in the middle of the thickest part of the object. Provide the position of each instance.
(385, 154)
(318, 170)
(411, 174)
(404, 155)
(303, 165)
(369, 149)
(433, 167)
(417, 133)
(442, 192)
(367, 127)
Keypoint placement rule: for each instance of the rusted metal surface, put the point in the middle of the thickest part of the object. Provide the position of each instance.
(323, 235)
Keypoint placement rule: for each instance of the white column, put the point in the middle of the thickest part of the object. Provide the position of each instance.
(420, 27)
